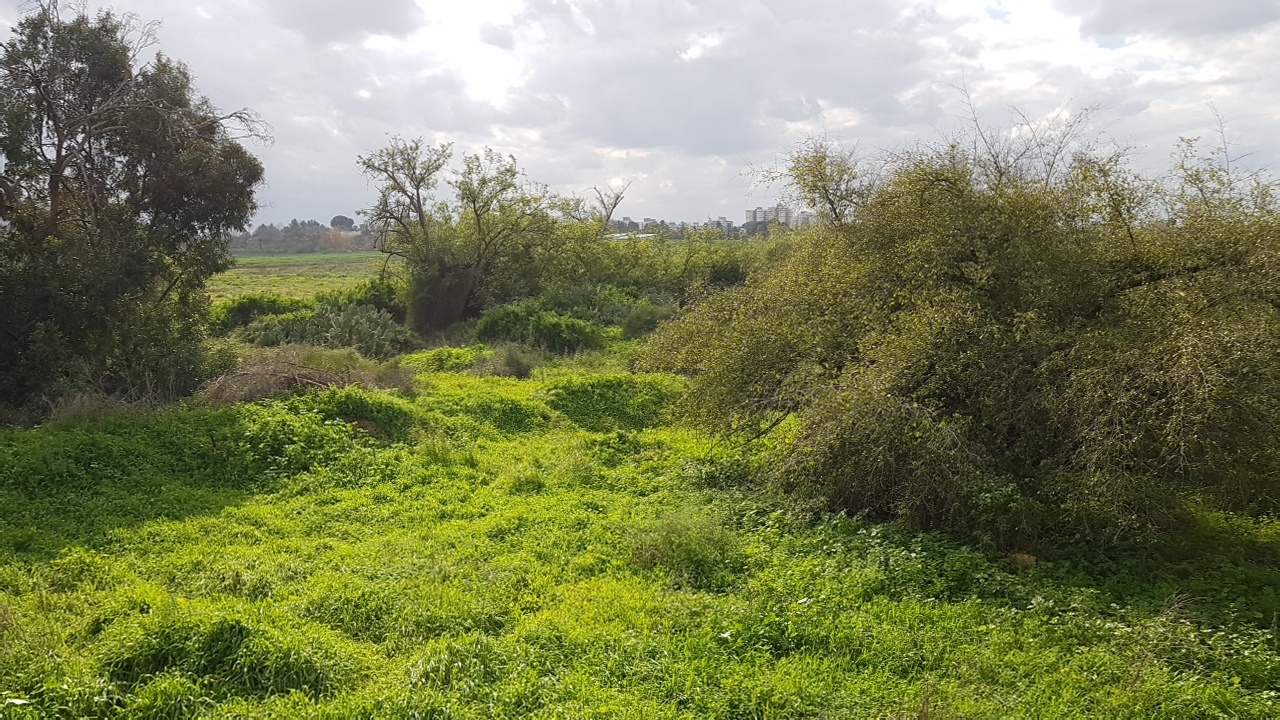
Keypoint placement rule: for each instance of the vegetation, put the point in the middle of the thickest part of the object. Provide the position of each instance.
(307, 236)
(456, 252)
(478, 482)
(373, 332)
(477, 551)
(241, 311)
(1018, 338)
(117, 193)
(295, 276)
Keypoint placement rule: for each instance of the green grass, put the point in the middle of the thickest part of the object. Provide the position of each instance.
(501, 548)
(302, 275)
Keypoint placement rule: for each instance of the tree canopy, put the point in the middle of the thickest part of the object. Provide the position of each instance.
(120, 185)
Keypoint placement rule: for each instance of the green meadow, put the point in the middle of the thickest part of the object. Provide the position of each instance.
(300, 275)
(486, 547)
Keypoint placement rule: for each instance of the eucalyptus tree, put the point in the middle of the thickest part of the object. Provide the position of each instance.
(121, 184)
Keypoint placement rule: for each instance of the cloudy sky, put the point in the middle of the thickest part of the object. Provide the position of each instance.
(680, 97)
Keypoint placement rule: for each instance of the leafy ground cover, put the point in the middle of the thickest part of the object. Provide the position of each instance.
(555, 547)
(301, 276)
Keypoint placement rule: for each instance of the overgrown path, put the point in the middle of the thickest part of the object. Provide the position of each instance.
(552, 548)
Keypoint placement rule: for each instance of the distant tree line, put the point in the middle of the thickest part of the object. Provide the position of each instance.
(305, 236)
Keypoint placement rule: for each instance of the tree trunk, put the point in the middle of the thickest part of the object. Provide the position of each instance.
(437, 301)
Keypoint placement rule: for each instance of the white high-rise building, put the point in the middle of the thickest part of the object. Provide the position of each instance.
(779, 213)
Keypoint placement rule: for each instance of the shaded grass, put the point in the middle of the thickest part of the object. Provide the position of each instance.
(486, 556)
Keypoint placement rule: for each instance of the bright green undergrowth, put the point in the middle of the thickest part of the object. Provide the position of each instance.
(554, 547)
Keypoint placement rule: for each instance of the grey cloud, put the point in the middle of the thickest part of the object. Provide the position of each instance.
(629, 87)
(1109, 18)
(334, 20)
(610, 76)
(499, 36)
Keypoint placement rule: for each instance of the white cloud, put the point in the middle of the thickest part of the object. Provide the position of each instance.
(680, 96)
(699, 45)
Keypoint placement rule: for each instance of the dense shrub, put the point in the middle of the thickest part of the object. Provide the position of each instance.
(507, 322)
(610, 402)
(375, 333)
(240, 311)
(264, 372)
(289, 328)
(445, 359)
(692, 548)
(376, 413)
(644, 318)
(581, 258)
(1010, 339)
(562, 334)
(109, 229)
(233, 654)
(529, 323)
(599, 304)
(510, 360)
(388, 295)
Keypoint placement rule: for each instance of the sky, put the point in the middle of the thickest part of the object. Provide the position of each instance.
(682, 98)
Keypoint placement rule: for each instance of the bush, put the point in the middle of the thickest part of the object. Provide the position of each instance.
(509, 360)
(387, 295)
(373, 332)
(239, 312)
(564, 335)
(609, 402)
(445, 359)
(644, 318)
(693, 548)
(378, 414)
(507, 322)
(989, 343)
(599, 304)
(273, 371)
(528, 323)
(273, 330)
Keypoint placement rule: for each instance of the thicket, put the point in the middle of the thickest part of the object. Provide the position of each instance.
(530, 323)
(495, 236)
(390, 295)
(1013, 334)
(241, 311)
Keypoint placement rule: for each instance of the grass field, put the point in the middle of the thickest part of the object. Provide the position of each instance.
(495, 548)
(302, 275)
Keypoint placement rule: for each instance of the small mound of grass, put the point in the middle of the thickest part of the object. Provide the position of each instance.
(445, 359)
(603, 403)
(237, 652)
(692, 548)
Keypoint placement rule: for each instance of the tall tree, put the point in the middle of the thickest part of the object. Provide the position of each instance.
(120, 186)
(458, 249)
